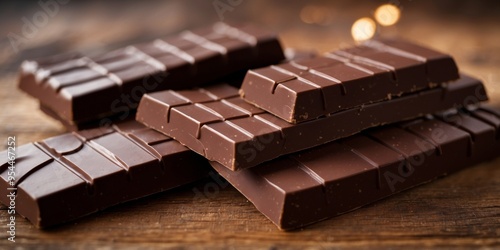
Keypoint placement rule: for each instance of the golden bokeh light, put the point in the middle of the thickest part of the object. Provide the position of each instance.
(363, 29)
(387, 14)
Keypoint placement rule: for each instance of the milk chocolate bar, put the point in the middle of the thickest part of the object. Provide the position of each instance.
(300, 189)
(216, 123)
(71, 175)
(80, 89)
(305, 89)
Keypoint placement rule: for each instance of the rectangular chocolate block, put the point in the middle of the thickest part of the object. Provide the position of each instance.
(79, 89)
(218, 124)
(305, 89)
(71, 175)
(300, 189)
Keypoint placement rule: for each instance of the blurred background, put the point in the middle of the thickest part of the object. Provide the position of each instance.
(469, 30)
(38, 28)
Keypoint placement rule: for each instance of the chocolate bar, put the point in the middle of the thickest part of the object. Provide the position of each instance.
(306, 89)
(80, 89)
(233, 80)
(71, 175)
(300, 189)
(216, 123)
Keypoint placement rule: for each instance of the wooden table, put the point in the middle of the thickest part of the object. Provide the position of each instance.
(460, 210)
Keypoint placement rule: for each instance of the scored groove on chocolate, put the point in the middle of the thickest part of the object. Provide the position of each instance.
(206, 120)
(300, 189)
(71, 175)
(371, 72)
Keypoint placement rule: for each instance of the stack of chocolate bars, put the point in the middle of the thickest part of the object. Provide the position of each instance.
(304, 138)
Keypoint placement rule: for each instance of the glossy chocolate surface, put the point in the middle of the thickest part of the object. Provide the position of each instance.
(302, 188)
(307, 88)
(71, 175)
(216, 123)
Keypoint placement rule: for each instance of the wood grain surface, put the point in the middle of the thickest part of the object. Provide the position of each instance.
(458, 211)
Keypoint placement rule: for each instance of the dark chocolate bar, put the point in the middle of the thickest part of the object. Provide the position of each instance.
(305, 89)
(71, 175)
(233, 80)
(216, 123)
(81, 89)
(299, 189)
